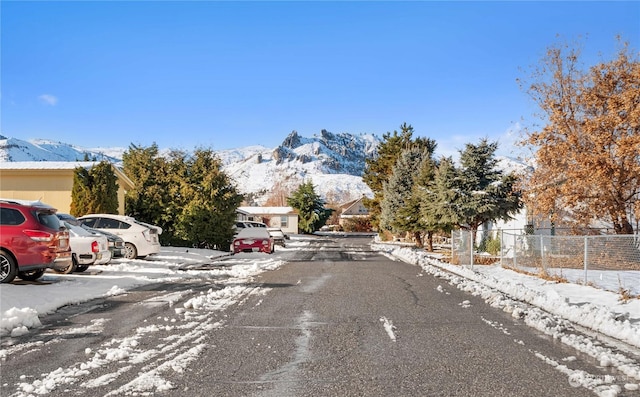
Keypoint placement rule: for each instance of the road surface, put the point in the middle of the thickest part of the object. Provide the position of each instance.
(337, 319)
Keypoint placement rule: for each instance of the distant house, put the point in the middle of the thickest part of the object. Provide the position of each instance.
(283, 217)
(353, 209)
(50, 182)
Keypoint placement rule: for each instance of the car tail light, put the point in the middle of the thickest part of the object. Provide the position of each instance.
(95, 247)
(147, 235)
(265, 242)
(38, 235)
(63, 240)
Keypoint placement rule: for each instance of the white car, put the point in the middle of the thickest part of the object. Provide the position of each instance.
(140, 239)
(86, 249)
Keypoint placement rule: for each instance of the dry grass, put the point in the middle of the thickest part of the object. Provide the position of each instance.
(558, 278)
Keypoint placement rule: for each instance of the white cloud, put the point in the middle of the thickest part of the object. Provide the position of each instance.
(48, 99)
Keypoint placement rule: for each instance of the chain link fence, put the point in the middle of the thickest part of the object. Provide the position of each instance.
(610, 262)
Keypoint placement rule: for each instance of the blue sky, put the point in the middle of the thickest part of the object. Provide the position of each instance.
(232, 74)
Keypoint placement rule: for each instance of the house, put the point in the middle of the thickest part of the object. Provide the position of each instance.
(50, 182)
(283, 217)
(353, 209)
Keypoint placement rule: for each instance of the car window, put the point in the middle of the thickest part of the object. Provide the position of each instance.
(89, 222)
(48, 219)
(10, 216)
(108, 223)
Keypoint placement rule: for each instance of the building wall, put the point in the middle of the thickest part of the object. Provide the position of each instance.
(51, 186)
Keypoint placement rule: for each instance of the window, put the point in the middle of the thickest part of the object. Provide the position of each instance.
(284, 221)
(49, 220)
(9, 216)
(91, 222)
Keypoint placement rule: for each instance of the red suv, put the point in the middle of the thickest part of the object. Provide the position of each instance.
(31, 240)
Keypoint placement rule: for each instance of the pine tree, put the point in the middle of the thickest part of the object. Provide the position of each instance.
(588, 153)
(212, 200)
(379, 169)
(397, 191)
(312, 213)
(81, 198)
(94, 190)
(147, 200)
(441, 197)
(486, 194)
(104, 189)
(421, 221)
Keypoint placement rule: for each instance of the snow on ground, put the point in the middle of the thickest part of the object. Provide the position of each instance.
(551, 307)
(21, 303)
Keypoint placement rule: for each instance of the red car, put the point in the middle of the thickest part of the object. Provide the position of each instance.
(253, 239)
(31, 240)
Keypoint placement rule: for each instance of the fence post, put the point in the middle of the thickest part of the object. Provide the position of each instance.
(453, 243)
(586, 259)
(471, 247)
(515, 254)
(501, 246)
(544, 268)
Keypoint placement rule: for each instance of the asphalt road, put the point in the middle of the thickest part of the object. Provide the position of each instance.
(336, 320)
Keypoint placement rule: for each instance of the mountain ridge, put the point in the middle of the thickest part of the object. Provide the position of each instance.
(334, 162)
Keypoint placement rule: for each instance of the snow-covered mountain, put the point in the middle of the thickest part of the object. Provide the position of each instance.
(333, 162)
(12, 149)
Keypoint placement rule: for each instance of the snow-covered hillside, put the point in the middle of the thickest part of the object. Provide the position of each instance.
(12, 149)
(333, 162)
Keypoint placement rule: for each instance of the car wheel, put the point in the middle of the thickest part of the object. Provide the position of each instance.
(31, 275)
(130, 251)
(69, 269)
(81, 268)
(8, 268)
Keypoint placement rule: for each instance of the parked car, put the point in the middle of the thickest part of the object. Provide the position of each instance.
(253, 239)
(116, 243)
(140, 239)
(278, 235)
(87, 249)
(244, 224)
(31, 240)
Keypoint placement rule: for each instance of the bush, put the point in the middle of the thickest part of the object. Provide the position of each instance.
(492, 245)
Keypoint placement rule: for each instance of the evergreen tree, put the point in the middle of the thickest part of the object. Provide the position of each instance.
(81, 192)
(104, 189)
(94, 190)
(208, 217)
(148, 200)
(312, 213)
(379, 169)
(441, 197)
(486, 194)
(397, 191)
(411, 212)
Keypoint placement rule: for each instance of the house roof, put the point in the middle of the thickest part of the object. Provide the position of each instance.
(46, 165)
(347, 206)
(267, 210)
